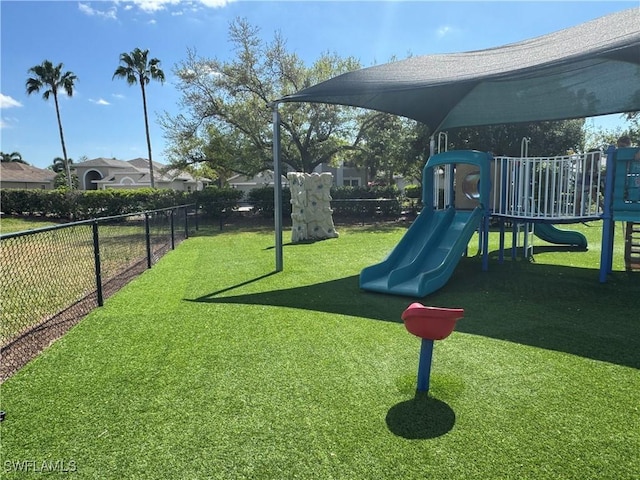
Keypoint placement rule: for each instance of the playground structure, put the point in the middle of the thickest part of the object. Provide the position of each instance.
(571, 73)
(462, 190)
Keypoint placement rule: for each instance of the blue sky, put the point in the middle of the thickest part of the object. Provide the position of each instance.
(104, 117)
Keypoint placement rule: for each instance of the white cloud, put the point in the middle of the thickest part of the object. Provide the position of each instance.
(88, 10)
(151, 6)
(443, 31)
(119, 96)
(189, 74)
(100, 101)
(216, 3)
(152, 21)
(7, 102)
(8, 122)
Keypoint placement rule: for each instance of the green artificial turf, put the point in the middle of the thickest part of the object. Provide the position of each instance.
(210, 365)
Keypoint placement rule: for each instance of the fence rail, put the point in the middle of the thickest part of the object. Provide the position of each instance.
(51, 277)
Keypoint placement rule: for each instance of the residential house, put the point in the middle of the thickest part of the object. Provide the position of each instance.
(20, 175)
(345, 176)
(342, 176)
(260, 180)
(104, 173)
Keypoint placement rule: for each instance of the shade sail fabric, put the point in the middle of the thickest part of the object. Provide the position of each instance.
(587, 70)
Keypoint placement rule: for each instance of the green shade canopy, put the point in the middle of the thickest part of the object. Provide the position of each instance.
(587, 70)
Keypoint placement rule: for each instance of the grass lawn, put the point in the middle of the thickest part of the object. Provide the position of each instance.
(10, 224)
(210, 365)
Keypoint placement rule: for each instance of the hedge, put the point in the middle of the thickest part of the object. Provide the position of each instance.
(213, 201)
(347, 201)
(80, 205)
(262, 200)
(218, 202)
(366, 201)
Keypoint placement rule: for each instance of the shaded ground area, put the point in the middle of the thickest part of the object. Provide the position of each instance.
(577, 320)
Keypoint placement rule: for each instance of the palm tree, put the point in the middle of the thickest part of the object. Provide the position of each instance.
(60, 166)
(136, 69)
(12, 157)
(50, 78)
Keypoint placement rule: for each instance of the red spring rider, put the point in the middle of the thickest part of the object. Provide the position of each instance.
(429, 323)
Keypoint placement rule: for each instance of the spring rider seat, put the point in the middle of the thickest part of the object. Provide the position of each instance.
(429, 323)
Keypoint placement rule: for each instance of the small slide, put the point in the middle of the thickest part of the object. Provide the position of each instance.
(551, 234)
(424, 259)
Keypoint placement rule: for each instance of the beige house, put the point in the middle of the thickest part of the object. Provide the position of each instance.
(342, 177)
(20, 175)
(104, 173)
(259, 180)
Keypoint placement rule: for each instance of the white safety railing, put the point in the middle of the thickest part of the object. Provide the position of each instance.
(553, 188)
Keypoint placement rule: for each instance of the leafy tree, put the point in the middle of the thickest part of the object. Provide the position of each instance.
(137, 68)
(417, 152)
(602, 137)
(227, 121)
(12, 157)
(51, 80)
(61, 182)
(391, 145)
(547, 138)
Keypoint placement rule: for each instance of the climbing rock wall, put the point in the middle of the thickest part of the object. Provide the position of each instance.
(310, 206)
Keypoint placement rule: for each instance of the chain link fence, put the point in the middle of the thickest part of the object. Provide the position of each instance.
(351, 211)
(51, 277)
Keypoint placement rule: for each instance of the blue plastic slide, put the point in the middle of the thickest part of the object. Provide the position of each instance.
(551, 234)
(424, 259)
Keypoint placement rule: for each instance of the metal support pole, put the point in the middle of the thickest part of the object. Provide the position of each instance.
(277, 188)
(501, 250)
(485, 242)
(424, 366)
(606, 247)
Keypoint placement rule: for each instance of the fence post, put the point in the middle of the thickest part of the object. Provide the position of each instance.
(148, 238)
(96, 257)
(186, 222)
(173, 233)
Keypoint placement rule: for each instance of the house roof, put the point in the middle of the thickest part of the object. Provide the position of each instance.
(144, 163)
(587, 70)
(103, 162)
(20, 172)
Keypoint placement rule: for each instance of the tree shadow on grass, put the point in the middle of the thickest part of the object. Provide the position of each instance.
(552, 307)
(420, 418)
